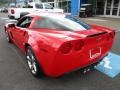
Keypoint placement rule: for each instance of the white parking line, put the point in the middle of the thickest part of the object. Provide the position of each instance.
(4, 18)
(93, 19)
(7, 20)
(11, 20)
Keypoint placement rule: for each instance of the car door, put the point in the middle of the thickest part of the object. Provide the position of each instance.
(21, 30)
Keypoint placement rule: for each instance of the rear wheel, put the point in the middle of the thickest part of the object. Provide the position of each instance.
(32, 63)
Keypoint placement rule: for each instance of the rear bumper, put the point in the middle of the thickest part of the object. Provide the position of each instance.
(75, 61)
(66, 67)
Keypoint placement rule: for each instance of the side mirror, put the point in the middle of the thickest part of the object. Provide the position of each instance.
(11, 25)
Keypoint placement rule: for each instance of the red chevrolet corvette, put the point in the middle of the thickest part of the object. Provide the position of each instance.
(55, 44)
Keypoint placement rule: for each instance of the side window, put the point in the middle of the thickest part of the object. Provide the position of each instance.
(39, 6)
(25, 22)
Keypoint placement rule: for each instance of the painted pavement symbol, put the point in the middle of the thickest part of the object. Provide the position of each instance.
(110, 65)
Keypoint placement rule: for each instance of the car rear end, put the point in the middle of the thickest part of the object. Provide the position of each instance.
(73, 44)
(83, 52)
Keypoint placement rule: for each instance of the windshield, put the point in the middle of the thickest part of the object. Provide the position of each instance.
(63, 23)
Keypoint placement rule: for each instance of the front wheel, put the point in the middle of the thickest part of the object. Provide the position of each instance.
(8, 37)
(32, 63)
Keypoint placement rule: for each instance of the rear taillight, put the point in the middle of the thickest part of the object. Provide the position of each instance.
(111, 36)
(66, 48)
(12, 11)
(78, 45)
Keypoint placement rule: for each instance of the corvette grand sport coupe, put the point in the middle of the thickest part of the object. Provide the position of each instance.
(55, 44)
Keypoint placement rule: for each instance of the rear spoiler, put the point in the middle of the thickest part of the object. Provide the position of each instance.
(93, 35)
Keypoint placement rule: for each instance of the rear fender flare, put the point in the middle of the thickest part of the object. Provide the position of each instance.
(33, 44)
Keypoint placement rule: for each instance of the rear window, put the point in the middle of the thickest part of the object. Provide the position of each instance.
(77, 20)
(62, 23)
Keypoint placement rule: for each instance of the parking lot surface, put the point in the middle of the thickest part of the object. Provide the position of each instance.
(103, 21)
(14, 74)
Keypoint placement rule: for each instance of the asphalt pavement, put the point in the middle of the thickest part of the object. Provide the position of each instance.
(14, 73)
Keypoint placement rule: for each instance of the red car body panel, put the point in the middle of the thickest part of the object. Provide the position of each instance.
(47, 44)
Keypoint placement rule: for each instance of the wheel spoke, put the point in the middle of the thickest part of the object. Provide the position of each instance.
(33, 69)
(31, 62)
(28, 57)
(34, 65)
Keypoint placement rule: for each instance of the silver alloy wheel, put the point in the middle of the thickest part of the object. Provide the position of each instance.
(31, 62)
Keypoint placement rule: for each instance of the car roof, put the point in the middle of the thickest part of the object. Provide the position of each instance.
(50, 15)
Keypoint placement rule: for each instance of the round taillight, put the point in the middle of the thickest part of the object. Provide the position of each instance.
(12, 11)
(65, 48)
(78, 45)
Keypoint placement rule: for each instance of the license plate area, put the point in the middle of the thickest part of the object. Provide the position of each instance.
(95, 52)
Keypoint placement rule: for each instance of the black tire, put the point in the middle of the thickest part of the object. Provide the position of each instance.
(8, 37)
(33, 64)
(11, 17)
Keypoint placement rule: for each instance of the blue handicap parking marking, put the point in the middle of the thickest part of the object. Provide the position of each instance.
(110, 65)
